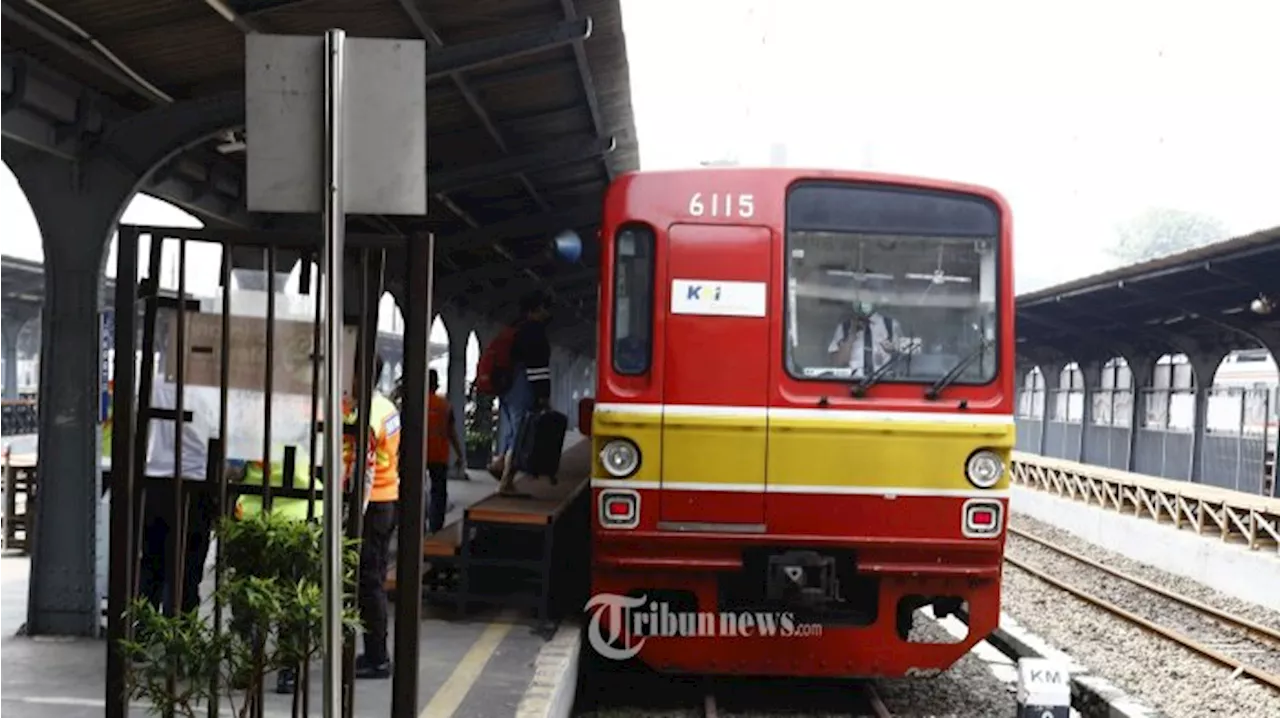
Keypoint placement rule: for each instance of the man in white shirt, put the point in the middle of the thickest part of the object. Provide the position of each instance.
(865, 339)
(155, 583)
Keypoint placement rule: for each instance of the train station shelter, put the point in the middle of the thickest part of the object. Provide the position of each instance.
(1133, 368)
(529, 118)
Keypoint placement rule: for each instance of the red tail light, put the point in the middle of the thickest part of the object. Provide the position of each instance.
(982, 518)
(619, 509)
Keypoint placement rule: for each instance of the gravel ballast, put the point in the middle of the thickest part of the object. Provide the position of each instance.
(1154, 669)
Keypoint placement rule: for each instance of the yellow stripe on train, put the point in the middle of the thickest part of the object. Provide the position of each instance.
(802, 448)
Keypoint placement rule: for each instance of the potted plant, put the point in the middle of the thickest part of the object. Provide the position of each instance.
(272, 594)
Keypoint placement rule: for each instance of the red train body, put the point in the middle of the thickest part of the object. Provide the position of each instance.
(802, 421)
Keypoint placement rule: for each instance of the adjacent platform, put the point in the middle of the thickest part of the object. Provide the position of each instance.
(1216, 537)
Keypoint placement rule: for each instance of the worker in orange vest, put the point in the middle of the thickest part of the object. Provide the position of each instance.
(441, 432)
(379, 524)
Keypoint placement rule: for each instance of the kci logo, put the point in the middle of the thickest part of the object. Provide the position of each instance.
(695, 293)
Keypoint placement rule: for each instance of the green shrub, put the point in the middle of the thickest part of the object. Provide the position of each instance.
(271, 596)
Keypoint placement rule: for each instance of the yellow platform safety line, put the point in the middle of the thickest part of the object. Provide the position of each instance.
(448, 699)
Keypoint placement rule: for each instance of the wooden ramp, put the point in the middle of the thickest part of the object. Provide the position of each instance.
(515, 551)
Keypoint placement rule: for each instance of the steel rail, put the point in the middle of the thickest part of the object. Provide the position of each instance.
(1224, 616)
(1261, 676)
(873, 697)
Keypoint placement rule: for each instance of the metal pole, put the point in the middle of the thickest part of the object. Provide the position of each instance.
(334, 224)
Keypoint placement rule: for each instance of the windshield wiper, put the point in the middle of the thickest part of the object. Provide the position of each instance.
(860, 389)
(945, 380)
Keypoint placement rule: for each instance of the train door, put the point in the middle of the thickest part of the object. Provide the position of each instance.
(716, 371)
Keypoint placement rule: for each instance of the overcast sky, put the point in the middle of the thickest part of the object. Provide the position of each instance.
(1081, 116)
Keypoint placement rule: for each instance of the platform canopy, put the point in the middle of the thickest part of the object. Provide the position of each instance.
(1212, 299)
(528, 115)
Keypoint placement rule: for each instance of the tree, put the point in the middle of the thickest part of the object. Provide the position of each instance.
(1162, 231)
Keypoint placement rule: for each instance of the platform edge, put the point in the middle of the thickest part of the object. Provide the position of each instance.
(1098, 694)
(555, 676)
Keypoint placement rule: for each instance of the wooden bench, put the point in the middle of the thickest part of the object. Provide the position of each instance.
(511, 542)
(503, 543)
(443, 544)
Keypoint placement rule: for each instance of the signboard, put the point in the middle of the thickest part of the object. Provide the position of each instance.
(717, 298)
(1044, 689)
(384, 125)
(291, 370)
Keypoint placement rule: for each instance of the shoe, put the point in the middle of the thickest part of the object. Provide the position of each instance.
(286, 681)
(367, 670)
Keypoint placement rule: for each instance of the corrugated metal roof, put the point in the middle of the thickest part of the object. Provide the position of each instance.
(189, 50)
(1198, 299)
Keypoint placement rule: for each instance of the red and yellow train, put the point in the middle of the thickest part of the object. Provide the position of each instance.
(802, 421)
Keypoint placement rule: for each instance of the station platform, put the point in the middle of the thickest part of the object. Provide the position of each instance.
(476, 661)
(1229, 540)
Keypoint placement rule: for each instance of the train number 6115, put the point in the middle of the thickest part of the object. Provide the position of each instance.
(722, 205)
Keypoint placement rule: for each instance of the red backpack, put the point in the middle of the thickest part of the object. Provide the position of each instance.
(493, 371)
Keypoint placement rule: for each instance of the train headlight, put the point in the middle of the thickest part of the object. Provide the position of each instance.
(620, 457)
(984, 469)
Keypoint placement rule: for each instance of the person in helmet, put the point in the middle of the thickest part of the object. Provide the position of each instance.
(864, 340)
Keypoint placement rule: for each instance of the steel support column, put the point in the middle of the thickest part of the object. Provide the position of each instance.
(459, 333)
(77, 207)
(63, 593)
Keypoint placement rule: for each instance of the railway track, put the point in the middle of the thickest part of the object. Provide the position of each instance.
(1245, 646)
(866, 696)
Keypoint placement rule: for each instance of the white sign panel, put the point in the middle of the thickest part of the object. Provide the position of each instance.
(385, 124)
(717, 298)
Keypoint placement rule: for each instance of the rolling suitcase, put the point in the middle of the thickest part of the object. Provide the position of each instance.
(539, 443)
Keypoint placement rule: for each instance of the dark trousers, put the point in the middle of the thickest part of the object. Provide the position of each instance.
(154, 582)
(375, 550)
(437, 496)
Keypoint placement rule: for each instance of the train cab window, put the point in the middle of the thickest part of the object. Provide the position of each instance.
(893, 282)
(633, 300)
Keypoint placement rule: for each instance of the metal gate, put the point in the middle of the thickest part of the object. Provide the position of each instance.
(215, 370)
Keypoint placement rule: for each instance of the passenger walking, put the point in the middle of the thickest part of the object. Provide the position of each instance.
(530, 383)
(442, 432)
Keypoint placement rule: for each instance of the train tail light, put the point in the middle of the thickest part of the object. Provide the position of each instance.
(619, 509)
(982, 518)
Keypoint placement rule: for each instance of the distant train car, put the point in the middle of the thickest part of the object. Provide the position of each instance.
(803, 420)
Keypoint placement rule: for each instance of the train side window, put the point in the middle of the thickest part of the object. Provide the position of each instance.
(633, 300)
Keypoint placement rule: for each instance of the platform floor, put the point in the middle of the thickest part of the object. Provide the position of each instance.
(479, 666)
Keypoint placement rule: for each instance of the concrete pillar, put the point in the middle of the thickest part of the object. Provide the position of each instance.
(11, 328)
(1091, 373)
(63, 592)
(1204, 364)
(1142, 372)
(77, 205)
(1052, 375)
(459, 332)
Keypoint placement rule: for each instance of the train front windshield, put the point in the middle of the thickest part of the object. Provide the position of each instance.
(895, 285)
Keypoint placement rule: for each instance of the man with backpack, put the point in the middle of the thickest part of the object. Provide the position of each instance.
(516, 367)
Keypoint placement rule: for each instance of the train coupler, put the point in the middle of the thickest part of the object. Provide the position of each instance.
(804, 577)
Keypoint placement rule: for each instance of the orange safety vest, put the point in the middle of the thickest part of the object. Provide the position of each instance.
(438, 411)
(384, 449)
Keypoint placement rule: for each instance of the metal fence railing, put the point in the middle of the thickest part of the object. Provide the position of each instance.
(20, 417)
